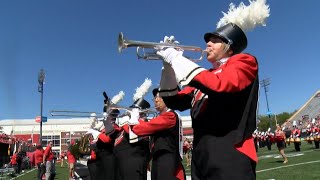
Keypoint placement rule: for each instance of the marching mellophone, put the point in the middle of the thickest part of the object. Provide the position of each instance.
(123, 43)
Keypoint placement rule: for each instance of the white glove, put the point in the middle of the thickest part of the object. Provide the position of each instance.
(184, 69)
(94, 133)
(169, 40)
(134, 120)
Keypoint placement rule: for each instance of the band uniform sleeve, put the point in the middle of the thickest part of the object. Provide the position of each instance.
(164, 121)
(126, 128)
(239, 71)
(180, 101)
(104, 138)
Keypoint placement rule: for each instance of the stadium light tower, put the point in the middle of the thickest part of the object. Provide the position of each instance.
(41, 77)
(265, 83)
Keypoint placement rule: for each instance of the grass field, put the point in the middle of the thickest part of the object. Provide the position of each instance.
(303, 165)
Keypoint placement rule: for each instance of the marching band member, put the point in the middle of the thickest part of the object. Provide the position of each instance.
(255, 138)
(223, 100)
(296, 133)
(315, 132)
(101, 163)
(166, 143)
(280, 139)
(309, 133)
(132, 158)
(268, 139)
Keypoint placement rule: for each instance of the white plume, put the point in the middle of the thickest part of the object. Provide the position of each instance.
(143, 89)
(117, 98)
(246, 17)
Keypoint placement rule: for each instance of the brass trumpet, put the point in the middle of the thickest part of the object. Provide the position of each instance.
(124, 43)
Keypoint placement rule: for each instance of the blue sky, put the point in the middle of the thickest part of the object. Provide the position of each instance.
(75, 42)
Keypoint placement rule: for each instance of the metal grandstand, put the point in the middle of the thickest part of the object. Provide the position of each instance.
(310, 110)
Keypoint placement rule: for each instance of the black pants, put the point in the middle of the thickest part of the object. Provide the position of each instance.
(165, 165)
(105, 163)
(268, 144)
(316, 143)
(92, 167)
(131, 166)
(41, 171)
(216, 158)
(297, 146)
(19, 167)
(256, 144)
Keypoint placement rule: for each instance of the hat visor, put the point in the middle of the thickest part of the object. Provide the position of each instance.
(208, 35)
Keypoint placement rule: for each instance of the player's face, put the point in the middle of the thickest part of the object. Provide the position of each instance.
(216, 49)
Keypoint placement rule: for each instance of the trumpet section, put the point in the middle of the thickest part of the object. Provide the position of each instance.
(153, 46)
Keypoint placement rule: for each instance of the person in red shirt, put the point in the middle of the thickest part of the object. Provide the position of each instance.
(71, 161)
(38, 158)
(48, 161)
(166, 141)
(14, 162)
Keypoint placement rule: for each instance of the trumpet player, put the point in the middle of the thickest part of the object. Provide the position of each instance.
(102, 161)
(132, 157)
(166, 143)
(222, 100)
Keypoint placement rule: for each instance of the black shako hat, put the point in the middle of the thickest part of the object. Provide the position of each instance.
(114, 112)
(155, 91)
(232, 34)
(141, 104)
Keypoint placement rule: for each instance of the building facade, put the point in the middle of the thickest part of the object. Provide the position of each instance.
(60, 131)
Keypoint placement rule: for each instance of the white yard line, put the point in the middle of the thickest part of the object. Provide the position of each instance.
(23, 174)
(298, 164)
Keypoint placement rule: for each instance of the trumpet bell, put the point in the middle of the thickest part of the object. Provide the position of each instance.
(121, 44)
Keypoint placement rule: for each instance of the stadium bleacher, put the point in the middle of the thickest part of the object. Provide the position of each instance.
(310, 110)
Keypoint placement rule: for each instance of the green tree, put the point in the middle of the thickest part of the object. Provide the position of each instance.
(278, 118)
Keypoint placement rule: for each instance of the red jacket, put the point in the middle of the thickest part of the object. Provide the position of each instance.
(217, 97)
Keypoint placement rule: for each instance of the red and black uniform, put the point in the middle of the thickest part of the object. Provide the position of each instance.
(91, 163)
(315, 132)
(102, 162)
(295, 133)
(165, 145)
(131, 158)
(223, 105)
